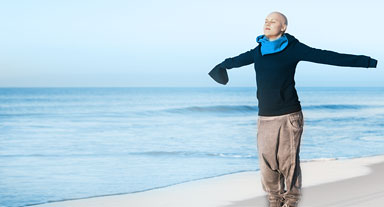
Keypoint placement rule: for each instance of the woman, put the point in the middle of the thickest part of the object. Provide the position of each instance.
(280, 120)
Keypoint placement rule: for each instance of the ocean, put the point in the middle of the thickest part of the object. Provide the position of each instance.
(69, 143)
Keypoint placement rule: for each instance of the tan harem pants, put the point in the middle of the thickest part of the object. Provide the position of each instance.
(278, 143)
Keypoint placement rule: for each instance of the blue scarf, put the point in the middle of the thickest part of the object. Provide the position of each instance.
(268, 47)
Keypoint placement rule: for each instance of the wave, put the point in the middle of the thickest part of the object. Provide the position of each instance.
(145, 153)
(215, 109)
(338, 106)
(251, 109)
(193, 154)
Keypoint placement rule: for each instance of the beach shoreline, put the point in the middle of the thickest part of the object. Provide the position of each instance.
(244, 188)
(364, 190)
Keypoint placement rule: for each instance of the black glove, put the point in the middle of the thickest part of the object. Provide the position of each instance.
(219, 74)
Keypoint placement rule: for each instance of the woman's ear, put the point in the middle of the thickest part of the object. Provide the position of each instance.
(284, 28)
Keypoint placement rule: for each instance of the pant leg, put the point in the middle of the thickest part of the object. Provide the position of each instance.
(288, 156)
(278, 142)
(267, 143)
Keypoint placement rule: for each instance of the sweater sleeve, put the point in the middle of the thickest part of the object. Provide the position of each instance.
(315, 55)
(243, 59)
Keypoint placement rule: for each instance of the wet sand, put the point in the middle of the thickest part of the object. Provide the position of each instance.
(331, 183)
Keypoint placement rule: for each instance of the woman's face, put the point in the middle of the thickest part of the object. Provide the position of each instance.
(274, 26)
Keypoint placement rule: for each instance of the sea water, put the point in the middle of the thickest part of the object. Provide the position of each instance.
(68, 143)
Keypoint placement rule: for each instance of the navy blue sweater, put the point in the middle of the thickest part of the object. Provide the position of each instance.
(275, 72)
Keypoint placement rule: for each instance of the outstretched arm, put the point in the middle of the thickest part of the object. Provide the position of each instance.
(315, 55)
(219, 72)
(243, 59)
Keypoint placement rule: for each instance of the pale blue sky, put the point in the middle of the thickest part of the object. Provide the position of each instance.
(175, 42)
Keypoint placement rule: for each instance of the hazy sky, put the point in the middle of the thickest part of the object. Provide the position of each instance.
(175, 42)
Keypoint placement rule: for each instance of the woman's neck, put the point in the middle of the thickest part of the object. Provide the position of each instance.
(272, 38)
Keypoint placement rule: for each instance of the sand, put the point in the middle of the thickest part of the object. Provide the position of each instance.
(359, 191)
(331, 183)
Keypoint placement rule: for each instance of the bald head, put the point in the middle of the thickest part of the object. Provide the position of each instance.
(280, 16)
(275, 25)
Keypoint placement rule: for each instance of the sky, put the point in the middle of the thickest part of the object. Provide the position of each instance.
(175, 43)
